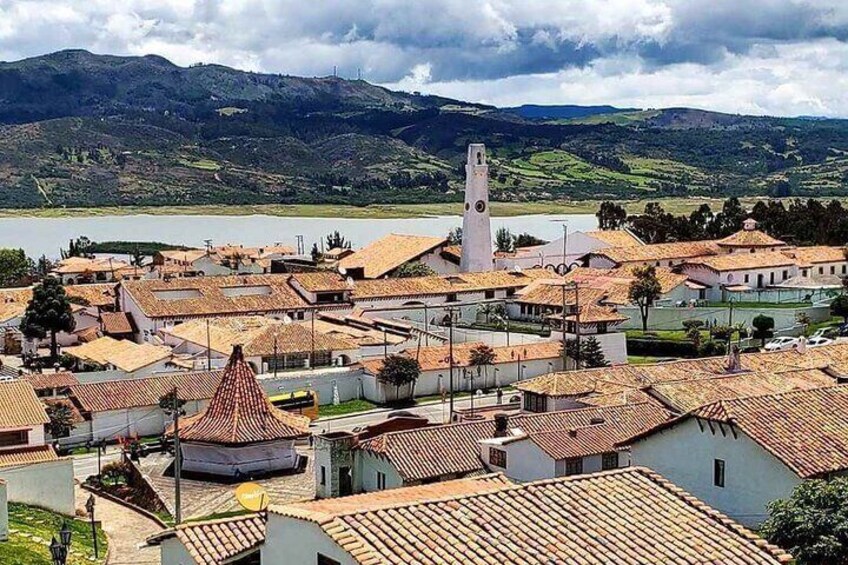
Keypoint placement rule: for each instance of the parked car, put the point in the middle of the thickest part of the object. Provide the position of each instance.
(818, 341)
(782, 344)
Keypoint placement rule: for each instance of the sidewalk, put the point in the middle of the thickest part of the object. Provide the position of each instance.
(126, 531)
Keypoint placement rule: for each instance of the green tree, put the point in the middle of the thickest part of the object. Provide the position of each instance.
(61, 420)
(316, 253)
(722, 333)
(812, 524)
(839, 307)
(14, 267)
(413, 269)
(611, 216)
(337, 240)
(763, 328)
(398, 371)
(48, 313)
(454, 236)
(592, 354)
(481, 357)
(527, 240)
(503, 240)
(644, 290)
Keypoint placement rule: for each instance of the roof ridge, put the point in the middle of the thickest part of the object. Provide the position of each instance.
(740, 399)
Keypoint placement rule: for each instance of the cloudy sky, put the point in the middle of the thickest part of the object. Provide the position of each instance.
(781, 57)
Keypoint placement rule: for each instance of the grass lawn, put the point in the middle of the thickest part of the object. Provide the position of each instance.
(671, 335)
(644, 359)
(498, 209)
(347, 407)
(30, 532)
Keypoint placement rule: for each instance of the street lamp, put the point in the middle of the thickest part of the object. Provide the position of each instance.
(65, 535)
(58, 552)
(89, 507)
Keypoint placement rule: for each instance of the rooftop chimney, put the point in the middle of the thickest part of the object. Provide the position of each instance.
(596, 420)
(734, 360)
(572, 433)
(501, 423)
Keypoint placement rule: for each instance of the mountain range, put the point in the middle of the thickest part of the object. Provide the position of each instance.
(79, 129)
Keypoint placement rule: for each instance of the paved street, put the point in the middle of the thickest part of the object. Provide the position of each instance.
(436, 412)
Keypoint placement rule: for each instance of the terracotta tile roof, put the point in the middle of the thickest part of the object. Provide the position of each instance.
(214, 296)
(436, 357)
(42, 381)
(628, 516)
(13, 302)
(117, 323)
(683, 396)
(749, 238)
(27, 456)
(126, 355)
(74, 265)
(377, 500)
(390, 252)
(256, 334)
(102, 295)
(21, 408)
(321, 281)
(186, 256)
(675, 251)
(808, 256)
(616, 238)
(605, 380)
(240, 413)
(805, 429)
(135, 393)
(360, 336)
(214, 542)
(444, 284)
(595, 439)
(743, 261)
(437, 451)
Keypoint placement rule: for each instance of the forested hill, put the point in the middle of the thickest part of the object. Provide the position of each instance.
(78, 129)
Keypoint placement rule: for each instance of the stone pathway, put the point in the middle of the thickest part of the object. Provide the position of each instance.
(201, 498)
(126, 530)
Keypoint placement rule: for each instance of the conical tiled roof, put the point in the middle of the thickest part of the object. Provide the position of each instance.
(750, 236)
(240, 412)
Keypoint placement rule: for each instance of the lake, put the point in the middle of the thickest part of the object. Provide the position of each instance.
(44, 236)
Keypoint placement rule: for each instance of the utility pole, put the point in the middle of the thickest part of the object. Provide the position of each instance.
(177, 458)
(450, 358)
(385, 343)
(276, 358)
(565, 247)
(577, 320)
(312, 350)
(562, 327)
(208, 347)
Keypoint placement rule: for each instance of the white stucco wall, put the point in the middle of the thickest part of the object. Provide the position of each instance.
(685, 455)
(366, 467)
(298, 542)
(140, 421)
(48, 485)
(524, 461)
(173, 552)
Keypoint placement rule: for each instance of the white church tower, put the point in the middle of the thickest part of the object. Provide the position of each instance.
(476, 230)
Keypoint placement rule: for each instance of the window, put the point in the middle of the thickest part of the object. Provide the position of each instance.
(497, 457)
(534, 402)
(832, 270)
(602, 328)
(510, 292)
(771, 277)
(609, 461)
(747, 278)
(821, 270)
(843, 269)
(324, 560)
(718, 473)
(381, 480)
(574, 466)
(451, 297)
(323, 475)
(490, 294)
(785, 274)
(17, 437)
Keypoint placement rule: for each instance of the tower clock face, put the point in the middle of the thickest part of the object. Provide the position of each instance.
(480, 206)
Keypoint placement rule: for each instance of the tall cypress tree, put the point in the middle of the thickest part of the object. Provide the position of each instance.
(48, 313)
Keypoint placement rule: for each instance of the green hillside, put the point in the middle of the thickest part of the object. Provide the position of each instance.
(78, 129)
